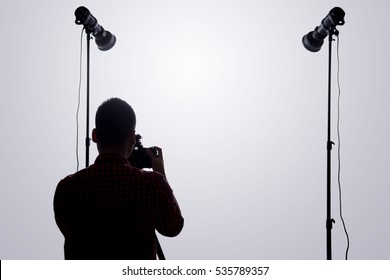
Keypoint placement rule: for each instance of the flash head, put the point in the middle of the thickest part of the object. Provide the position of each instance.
(314, 39)
(103, 38)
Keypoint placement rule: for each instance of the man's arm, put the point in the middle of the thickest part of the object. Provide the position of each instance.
(60, 207)
(169, 221)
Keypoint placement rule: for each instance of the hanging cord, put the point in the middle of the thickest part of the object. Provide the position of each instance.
(339, 146)
(78, 102)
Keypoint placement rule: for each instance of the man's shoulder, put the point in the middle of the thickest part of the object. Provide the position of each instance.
(95, 173)
(148, 175)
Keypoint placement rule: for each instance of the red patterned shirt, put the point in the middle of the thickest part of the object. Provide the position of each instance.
(111, 210)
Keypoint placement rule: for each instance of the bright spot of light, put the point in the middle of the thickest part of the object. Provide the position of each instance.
(191, 63)
(189, 66)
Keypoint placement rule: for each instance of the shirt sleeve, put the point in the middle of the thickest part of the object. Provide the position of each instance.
(60, 206)
(169, 221)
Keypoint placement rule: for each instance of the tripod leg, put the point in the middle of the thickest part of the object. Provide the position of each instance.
(160, 252)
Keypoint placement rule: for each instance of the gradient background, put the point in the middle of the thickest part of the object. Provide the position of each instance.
(238, 105)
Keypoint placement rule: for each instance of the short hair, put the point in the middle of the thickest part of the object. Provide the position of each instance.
(115, 120)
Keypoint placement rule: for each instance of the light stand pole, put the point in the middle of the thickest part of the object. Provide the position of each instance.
(329, 220)
(87, 139)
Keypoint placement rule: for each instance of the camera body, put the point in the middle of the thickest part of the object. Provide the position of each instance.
(139, 158)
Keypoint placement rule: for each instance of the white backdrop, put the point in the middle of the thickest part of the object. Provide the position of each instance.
(238, 105)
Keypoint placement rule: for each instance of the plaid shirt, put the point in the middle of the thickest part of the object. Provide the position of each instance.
(110, 210)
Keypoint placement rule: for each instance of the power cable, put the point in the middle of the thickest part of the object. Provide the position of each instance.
(339, 146)
(78, 102)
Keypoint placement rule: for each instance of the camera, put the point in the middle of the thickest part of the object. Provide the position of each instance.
(139, 158)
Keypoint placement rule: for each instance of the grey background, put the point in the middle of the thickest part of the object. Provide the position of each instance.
(236, 102)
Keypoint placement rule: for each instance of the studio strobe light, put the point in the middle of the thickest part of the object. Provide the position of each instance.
(103, 38)
(314, 39)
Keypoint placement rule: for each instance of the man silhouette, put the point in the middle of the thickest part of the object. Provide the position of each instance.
(111, 210)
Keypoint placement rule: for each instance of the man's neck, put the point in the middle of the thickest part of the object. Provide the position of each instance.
(113, 150)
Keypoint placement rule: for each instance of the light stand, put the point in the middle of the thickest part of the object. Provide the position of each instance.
(105, 41)
(313, 42)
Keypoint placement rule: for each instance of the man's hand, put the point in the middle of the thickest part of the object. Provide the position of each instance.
(157, 161)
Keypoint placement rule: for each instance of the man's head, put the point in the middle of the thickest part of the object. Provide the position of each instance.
(115, 125)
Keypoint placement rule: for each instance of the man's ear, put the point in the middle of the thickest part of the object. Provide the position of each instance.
(94, 136)
(132, 138)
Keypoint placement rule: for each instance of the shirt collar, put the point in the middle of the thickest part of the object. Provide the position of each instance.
(111, 158)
